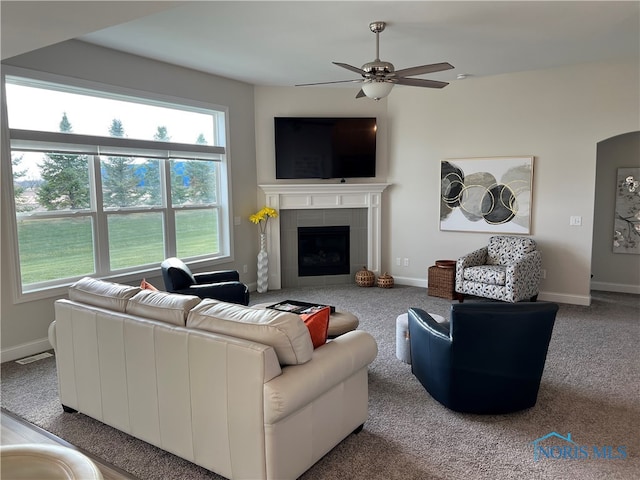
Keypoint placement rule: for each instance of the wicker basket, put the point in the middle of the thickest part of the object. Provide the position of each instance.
(385, 281)
(442, 282)
(365, 278)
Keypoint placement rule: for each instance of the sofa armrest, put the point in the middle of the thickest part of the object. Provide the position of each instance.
(430, 324)
(531, 263)
(473, 259)
(523, 276)
(52, 334)
(331, 364)
(230, 292)
(217, 277)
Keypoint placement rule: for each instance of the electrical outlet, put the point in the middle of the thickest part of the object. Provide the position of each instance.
(543, 273)
(575, 221)
(244, 269)
(406, 262)
(398, 263)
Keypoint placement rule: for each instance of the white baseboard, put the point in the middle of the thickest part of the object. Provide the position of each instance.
(615, 287)
(411, 282)
(545, 296)
(564, 298)
(25, 350)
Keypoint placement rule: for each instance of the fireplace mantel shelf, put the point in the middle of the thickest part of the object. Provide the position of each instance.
(324, 196)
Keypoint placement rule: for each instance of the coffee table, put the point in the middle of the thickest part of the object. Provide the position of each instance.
(340, 321)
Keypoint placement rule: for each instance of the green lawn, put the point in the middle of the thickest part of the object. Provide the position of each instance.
(60, 248)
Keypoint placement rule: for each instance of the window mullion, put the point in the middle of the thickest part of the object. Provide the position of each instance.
(170, 246)
(100, 225)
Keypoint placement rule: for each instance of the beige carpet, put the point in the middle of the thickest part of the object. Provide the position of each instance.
(590, 389)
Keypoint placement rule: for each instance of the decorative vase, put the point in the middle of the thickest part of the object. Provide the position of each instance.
(263, 265)
(385, 281)
(365, 278)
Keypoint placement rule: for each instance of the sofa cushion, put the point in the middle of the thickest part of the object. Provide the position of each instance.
(488, 274)
(113, 296)
(318, 325)
(166, 307)
(285, 332)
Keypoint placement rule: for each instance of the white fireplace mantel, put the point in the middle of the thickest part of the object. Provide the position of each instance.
(324, 196)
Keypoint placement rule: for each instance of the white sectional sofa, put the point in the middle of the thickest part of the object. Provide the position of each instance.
(237, 390)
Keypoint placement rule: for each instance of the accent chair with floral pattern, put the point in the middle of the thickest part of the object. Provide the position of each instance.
(508, 269)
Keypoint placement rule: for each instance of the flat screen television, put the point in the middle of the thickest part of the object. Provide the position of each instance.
(322, 147)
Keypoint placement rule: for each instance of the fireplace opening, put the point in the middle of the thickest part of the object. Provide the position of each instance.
(323, 251)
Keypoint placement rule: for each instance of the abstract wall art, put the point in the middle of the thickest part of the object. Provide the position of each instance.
(491, 194)
(626, 235)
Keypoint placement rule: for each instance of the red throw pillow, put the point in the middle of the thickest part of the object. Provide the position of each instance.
(147, 286)
(318, 325)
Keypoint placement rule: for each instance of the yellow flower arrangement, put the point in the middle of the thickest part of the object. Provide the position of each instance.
(262, 217)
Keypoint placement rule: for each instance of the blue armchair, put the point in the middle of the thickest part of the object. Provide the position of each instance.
(221, 285)
(489, 357)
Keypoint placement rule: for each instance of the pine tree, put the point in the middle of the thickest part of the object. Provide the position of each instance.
(179, 192)
(202, 178)
(65, 178)
(120, 183)
(151, 173)
(161, 135)
(202, 181)
(19, 189)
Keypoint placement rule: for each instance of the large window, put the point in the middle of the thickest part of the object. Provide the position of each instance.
(109, 184)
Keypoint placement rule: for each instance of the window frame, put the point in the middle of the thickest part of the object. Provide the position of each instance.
(32, 139)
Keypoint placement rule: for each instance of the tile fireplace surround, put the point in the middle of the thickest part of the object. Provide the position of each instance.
(324, 196)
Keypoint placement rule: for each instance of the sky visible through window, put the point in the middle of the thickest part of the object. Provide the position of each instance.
(40, 109)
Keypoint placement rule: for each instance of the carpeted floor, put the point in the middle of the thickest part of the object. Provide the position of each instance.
(590, 389)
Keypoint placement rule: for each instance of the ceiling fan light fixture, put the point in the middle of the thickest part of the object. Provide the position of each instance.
(377, 89)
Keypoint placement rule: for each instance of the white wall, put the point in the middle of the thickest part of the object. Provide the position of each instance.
(557, 115)
(24, 325)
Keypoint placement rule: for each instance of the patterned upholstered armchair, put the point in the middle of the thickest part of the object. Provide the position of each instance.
(507, 269)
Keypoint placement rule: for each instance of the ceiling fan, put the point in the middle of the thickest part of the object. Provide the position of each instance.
(379, 77)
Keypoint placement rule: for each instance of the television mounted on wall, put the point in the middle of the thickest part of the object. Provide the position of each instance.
(323, 147)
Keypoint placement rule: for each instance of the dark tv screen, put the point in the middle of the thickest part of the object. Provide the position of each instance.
(325, 147)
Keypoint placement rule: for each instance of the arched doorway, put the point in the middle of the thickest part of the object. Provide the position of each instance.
(614, 272)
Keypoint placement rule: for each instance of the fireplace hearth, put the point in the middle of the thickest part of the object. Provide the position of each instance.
(312, 199)
(323, 250)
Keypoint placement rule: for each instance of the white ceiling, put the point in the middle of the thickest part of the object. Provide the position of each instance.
(286, 43)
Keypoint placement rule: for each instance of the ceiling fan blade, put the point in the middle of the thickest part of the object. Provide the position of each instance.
(357, 80)
(420, 82)
(422, 69)
(350, 67)
(360, 94)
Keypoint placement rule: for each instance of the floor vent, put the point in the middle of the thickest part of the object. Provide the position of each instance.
(34, 358)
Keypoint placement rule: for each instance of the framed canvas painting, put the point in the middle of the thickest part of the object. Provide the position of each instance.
(626, 235)
(490, 194)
